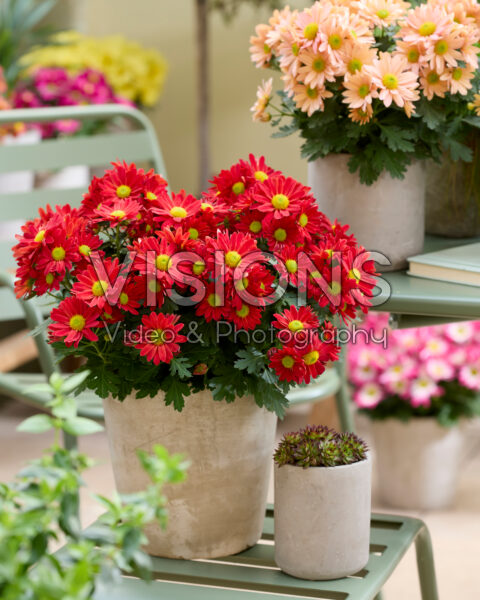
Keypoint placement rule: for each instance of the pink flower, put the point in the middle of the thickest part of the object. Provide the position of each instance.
(422, 390)
(439, 369)
(460, 333)
(469, 376)
(368, 396)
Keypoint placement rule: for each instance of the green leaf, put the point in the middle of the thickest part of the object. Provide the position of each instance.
(271, 398)
(458, 151)
(81, 426)
(397, 138)
(433, 117)
(251, 360)
(36, 424)
(73, 382)
(181, 366)
(175, 392)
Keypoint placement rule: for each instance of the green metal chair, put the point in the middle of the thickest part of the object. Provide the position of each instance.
(139, 145)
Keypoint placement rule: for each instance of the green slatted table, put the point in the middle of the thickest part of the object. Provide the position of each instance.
(253, 575)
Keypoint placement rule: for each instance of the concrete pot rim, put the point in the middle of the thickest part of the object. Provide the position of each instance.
(417, 420)
(330, 469)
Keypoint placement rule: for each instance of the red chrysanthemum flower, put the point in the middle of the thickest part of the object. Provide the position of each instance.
(213, 209)
(121, 182)
(130, 297)
(280, 232)
(296, 319)
(160, 337)
(73, 320)
(234, 248)
(154, 190)
(86, 243)
(93, 199)
(317, 354)
(310, 221)
(151, 290)
(93, 287)
(288, 264)
(211, 307)
(153, 256)
(280, 196)
(232, 184)
(288, 364)
(250, 221)
(176, 208)
(58, 254)
(258, 168)
(252, 287)
(119, 212)
(246, 316)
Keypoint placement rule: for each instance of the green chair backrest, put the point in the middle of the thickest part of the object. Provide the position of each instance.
(131, 137)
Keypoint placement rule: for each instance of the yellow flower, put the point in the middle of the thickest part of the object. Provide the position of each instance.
(136, 73)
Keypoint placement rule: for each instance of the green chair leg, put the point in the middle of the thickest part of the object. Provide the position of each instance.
(342, 397)
(426, 565)
(70, 442)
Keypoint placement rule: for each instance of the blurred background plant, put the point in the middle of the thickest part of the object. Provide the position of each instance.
(21, 28)
(40, 510)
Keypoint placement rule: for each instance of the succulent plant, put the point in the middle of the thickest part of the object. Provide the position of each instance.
(319, 446)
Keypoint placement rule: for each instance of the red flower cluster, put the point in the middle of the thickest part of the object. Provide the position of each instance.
(137, 255)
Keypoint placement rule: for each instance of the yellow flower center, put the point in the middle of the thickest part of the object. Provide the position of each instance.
(413, 55)
(427, 28)
(295, 325)
(457, 74)
(150, 196)
(77, 322)
(260, 176)
(99, 288)
(163, 262)
(154, 286)
(266, 48)
(238, 188)
(390, 81)
(118, 213)
(310, 31)
(363, 90)
(242, 284)
(193, 233)
(383, 13)
(292, 266)
(243, 312)
(255, 226)
(85, 250)
(40, 235)
(280, 202)
(433, 77)
(354, 65)
(336, 288)
(318, 65)
(288, 362)
(58, 253)
(355, 274)
(334, 41)
(312, 93)
(206, 206)
(303, 220)
(124, 191)
(198, 267)
(157, 337)
(232, 258)
(49, 277)
(441, 47)
(295, 48)
(311, 357)
(123, 298)
(280, 235)
(178, 212)
(214, 300)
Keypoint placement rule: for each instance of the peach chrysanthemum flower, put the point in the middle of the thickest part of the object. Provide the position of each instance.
(469, 50)
(334, 36)
(432, 84)
(264, 94)
(394, 79)
(355, 56)
(288, 51)
(459, 79)
(359, 91)
(280, 22)
(382, 13)
(316, 68)
(465, 12)
(308, 23)
(310, 99)
(425, 24)
(476, 104)
(260, 51)
(289, 83)
(413, 53)
(358, 115)
(445, 52)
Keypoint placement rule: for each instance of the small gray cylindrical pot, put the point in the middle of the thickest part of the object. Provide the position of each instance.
(417, 462)
(322, 520)
(387, 216)
(220, 508)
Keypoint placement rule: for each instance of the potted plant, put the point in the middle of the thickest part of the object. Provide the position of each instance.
(373, 92)
(322, 503)
(41, 507)
(195, 317)
(417, 390)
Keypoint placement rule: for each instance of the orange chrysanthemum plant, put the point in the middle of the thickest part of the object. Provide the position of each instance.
(5, 130)
(386, 81)
(236, 292)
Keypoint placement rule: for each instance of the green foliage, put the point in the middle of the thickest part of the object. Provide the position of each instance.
(319, 446)
(42, 506)
(456, 403)
(20, 30)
